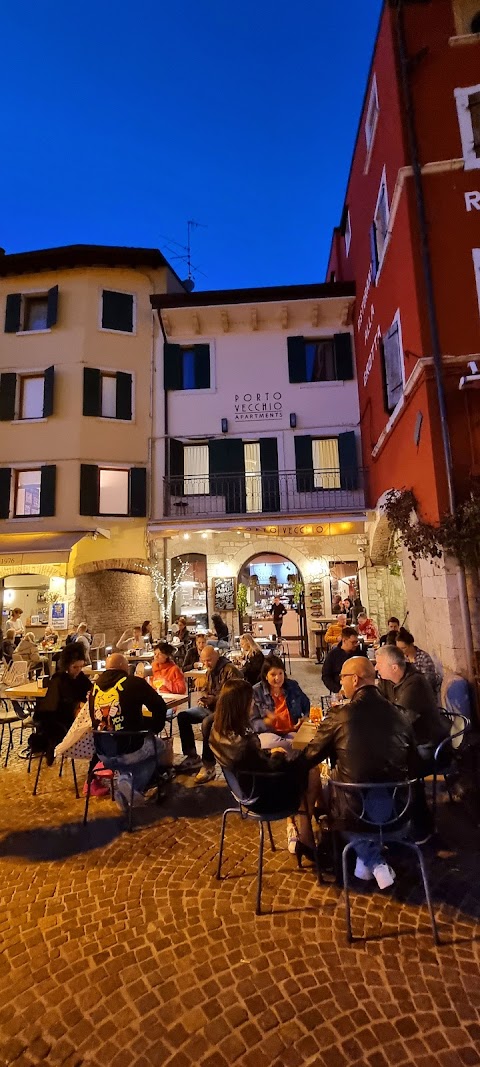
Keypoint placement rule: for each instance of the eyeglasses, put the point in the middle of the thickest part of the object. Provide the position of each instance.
(349, 675)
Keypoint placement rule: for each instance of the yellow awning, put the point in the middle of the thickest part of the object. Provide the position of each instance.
(17, 549)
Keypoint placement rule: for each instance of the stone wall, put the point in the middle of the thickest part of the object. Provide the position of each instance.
(386, 596)
(109, 601)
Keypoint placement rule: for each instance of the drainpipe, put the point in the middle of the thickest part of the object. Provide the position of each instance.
(166, 491)
(433, 321)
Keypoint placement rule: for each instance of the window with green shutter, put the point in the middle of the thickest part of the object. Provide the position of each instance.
(118, 311)
(31, 312)
(320, 359)
(107, 394)
(186, 367)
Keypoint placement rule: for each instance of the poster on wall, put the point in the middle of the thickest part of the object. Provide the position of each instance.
(224, 598)
(59, 615)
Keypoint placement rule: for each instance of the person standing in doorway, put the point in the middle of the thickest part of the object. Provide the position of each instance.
(278, 611)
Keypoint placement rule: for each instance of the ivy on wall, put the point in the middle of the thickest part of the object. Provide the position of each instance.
(456, 535)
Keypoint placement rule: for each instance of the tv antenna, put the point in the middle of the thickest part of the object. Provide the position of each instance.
(185, 253)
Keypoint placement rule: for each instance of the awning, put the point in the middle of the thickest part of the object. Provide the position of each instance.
(17, 549)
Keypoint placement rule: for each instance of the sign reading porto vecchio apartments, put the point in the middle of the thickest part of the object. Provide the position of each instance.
(257, 407)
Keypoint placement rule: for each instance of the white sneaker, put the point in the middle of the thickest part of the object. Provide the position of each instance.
(292, 836)
(205, 774)
(363, 872)
(384, 875)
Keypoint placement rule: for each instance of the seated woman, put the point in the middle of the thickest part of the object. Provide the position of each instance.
(192, 657)
(366, 628)
(420, 659)
(221, 632)
(238, 749)
(165, 673)
(147, 632)
(254, 659)
(55, 712)
(28, 651)
(279, 705)
(8, 647)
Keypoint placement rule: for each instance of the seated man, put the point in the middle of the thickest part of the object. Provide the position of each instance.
(335, 659)
(404, 685)
(368, 740)
(366, 628)
(393, 625)
(219, 669)
(116, 703)
(334, 630)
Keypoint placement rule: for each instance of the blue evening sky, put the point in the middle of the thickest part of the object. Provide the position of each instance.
(123, 120)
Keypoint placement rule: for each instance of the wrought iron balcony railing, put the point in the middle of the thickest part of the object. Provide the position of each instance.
(284, 493)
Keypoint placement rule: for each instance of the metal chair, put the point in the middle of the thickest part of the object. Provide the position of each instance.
(18, 719)
(106, 747)
(448, 749)
(97, 647)
(354, 817)
(247, 810)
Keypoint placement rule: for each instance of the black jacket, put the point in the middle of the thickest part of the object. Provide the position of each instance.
(414, 693)
(252, 667)
(62, 698)
(368, 740)
(246, 758)
(116, 702)
(333, 664)
(192, 657)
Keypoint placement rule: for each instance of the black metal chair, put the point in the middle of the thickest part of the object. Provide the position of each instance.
(248, 810)
(447, 752)
(18, 718)
(106, 743)
(350, 814)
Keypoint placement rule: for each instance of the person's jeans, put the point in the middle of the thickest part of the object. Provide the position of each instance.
(272, 740)
(139, 764)
(186, 721)
(278, 627)
(378, 808)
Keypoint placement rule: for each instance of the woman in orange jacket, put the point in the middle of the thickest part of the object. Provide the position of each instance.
(166, 676)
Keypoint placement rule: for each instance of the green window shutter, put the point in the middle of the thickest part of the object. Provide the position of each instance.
(5, 480)
(343, 357)
(297, 364)
(117, 311)
(172, 367)
(304, 463)
(48, 391)
(48, 479)
(123, 408)
(52, 306)
(13, 311)
(176, 467)
(8, 389)
(227, 473)
(89, 489)
(373, 251)
(137, 492)
(347, 455)
(270, 479)
(92, 391)
(202, 366)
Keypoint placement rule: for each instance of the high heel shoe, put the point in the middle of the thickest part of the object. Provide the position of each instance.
(304, 850)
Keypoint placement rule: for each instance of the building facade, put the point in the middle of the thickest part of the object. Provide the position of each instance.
(410, 240)
(76, 363)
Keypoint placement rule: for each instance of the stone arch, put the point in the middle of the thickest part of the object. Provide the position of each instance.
(133, 566)
(261, 545)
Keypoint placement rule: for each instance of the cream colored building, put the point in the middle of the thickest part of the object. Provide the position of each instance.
(77, 346)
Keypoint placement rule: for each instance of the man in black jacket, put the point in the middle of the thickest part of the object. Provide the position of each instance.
(368, 740)
(337, 656)
(404, 685)
(117, 702)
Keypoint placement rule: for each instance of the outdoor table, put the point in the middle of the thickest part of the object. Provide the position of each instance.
(26, 691)
(305, 733)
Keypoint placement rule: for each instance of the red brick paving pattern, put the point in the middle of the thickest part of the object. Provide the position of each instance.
(123, 950)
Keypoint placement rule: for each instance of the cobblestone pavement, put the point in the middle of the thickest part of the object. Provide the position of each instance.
(123, 950)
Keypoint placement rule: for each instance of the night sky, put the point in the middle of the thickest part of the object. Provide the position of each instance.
(121, 121)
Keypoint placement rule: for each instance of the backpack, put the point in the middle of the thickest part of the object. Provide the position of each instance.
(104, 704)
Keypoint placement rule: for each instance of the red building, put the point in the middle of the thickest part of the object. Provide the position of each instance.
(410, 239)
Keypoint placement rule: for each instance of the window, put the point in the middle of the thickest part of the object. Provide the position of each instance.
(27, 493)
(393, 370)
(196, 470)
(253, 476)
(186, 366)
(372, 116)
(348, 232)
(117, 311)
(468, 109)
(322, 359)
(107, 394)
(475, 24)
(113, 498)
(31, 312)
(31, 396)
(326, 463)
(379, 228)
(113, 491)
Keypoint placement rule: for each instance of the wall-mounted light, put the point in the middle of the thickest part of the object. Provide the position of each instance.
(293, 420)
(224, 425)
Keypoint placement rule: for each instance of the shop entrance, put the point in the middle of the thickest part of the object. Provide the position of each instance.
(266, 576)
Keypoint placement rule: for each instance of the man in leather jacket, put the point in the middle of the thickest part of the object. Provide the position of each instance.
(404, 685)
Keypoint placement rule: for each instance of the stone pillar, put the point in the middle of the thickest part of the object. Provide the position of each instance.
(110, 600)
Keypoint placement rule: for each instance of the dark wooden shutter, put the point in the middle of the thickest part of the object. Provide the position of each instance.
(13, 312)
(270, 479)
(373, 251)
(172, 367)
(5, 480)
(343, 357)
(92, 391)
(137, 492)
(48, 390)
(202, 366)
(8, 389)
(52, 306)
(297, 364)
(392, 357)
(304, 463)
(347, 455)
(227, 473)
(123, 409)
(117, 311)
(384, 376)
(48, 479)
(176, 467)
(89, 489)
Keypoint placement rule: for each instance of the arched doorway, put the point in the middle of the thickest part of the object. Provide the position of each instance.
(266, 575)
(31, 591)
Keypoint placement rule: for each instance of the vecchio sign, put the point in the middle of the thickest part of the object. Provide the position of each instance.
(258, 407)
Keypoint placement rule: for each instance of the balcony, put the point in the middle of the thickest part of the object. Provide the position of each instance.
(277, 494)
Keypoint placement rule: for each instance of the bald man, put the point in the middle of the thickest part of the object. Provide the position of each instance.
(368, 740)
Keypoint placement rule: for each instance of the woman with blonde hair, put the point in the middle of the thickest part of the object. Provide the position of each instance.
(254, 659)
(28, 651)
